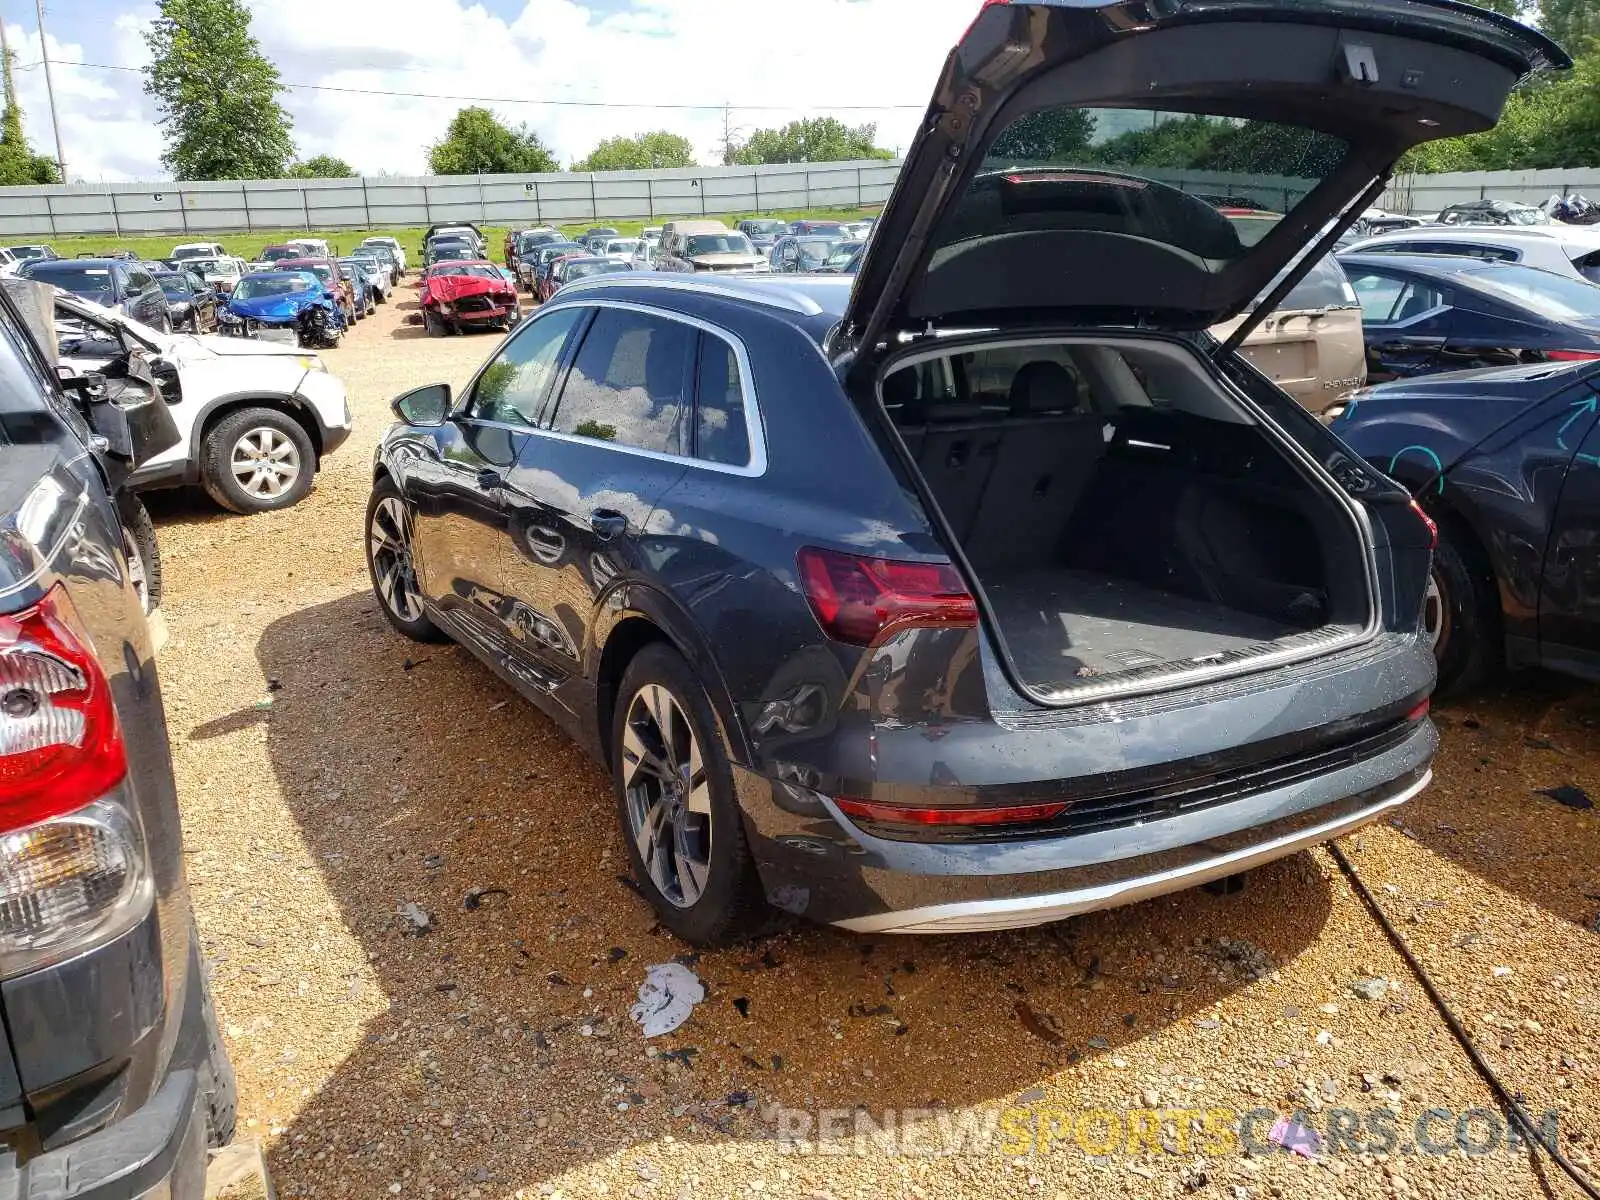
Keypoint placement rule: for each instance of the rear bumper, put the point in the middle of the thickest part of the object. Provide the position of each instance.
(1018, 911)
(816, 862)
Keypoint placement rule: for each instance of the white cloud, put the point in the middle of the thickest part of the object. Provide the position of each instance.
(818, 54)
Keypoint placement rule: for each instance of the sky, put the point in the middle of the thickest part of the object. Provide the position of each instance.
(807, 58)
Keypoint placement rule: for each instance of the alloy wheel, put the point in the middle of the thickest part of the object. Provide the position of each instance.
(1435, 613)
(668, 795)
(390, 538)
(266, 462)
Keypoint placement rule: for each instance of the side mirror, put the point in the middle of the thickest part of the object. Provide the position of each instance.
(425, 406)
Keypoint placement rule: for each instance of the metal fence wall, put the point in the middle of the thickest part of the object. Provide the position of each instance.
(129, 209)
(1425, 195)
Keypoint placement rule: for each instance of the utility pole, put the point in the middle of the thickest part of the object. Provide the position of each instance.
(50, 90)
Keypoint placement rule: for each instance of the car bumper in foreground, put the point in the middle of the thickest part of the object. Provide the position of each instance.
(157, 1153)
(816, 862)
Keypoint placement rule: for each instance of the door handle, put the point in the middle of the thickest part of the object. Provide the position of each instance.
(489, 479)
(608, 523)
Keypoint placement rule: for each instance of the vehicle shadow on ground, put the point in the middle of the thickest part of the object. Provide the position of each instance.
(490, 1040)
(1501, 747)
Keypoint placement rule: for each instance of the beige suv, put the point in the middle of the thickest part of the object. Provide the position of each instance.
(1311, 345)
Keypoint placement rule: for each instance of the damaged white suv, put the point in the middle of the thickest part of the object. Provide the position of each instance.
(257, 418)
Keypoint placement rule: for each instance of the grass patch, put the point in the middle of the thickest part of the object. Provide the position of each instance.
(248, 245)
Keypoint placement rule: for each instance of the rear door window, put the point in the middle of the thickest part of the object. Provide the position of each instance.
(631, 382)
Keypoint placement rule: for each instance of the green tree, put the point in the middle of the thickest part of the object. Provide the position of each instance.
(1548, 124)
(819, 139)
(321, 166)
(647, 151)
(1573, 23)
(478, 143)
(18, 163)
(1050, 135)
(218, 94)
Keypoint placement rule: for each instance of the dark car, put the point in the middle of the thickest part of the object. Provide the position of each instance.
(844, 259)
(763, 232)
(830, 229)
(1493, 212)
(113, 1079)
(1423, 313)
(1507, 461)
(191, 305)
(808, 253)
(280, 254)
(450, 248)
(361, 295)
(109, 282)
(532, 266)
(990, 589)
(597, 231)
(522, 242)
(555, 272)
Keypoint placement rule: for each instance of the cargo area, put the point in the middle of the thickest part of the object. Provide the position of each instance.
(1129, 522)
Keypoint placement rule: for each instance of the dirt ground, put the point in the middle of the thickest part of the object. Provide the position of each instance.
(331, 771)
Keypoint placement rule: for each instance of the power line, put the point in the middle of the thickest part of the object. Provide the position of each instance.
(355, 91)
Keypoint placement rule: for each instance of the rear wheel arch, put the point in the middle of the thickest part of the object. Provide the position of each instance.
(631, 633)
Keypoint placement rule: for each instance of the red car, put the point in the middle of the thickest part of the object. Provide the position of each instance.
(470, 294)
(327, 271)
(556, 274)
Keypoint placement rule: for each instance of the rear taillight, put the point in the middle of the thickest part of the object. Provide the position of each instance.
(60, 746)
(1017, 814)
(1429, 523)
(1572, 355)
(73, 866)
(858, 600)
(1420, 711)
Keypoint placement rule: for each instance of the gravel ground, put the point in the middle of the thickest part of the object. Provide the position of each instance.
(331, 771)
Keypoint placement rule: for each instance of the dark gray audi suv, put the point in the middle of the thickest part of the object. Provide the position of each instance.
(985, 588)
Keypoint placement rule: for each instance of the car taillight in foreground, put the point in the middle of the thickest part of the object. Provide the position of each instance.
(858, 599)
(72, 859)
(1572, 355)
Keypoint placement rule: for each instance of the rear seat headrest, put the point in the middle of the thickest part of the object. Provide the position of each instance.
(1044, 386)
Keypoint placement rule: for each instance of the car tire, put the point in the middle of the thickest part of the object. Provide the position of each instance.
(1461, 612)
(275, 443)
(701, 877)
(389, 563)
(141, 549)
(166, 323)
(432, 325)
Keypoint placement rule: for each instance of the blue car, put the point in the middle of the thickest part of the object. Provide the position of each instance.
(1425, 313)
(366, 302)
(285, 306)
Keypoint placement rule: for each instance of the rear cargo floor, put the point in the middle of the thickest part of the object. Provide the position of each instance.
(1069, 626)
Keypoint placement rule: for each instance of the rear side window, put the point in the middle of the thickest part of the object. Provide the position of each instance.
(720, 432)
(631, 382)
(1386, 300)
(1589, 266)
